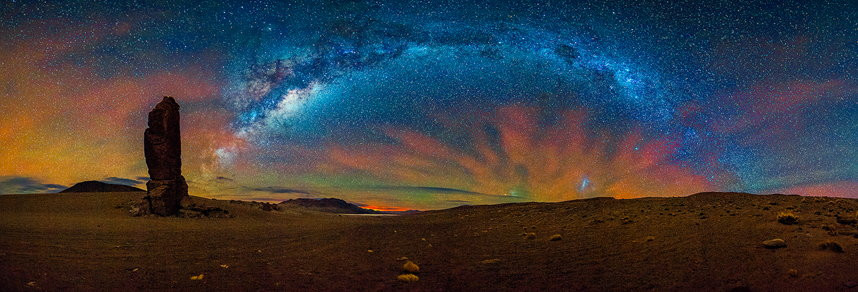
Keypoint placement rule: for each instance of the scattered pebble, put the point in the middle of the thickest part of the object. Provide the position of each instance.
(402, 259)
(774, 243)
(490, 261)
(530, 235)
(792, 273)
(555, 237)
(831, 245)
(649, 238)
(198, 277)
(787, 218)
(847, 220)
(225, 266)
(408, 278)
(31, 284)
(411, 267)
(370, 251)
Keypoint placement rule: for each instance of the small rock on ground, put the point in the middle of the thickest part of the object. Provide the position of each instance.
(411, 267)
(774, 243)
(408, 278)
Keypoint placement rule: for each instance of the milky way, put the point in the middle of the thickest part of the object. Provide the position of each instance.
(435, 104)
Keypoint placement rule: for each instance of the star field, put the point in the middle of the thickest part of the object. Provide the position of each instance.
(432, 104)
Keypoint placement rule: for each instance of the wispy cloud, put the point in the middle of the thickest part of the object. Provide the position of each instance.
(122, 181)
(278, 190)
(26, 185)
(423, 189)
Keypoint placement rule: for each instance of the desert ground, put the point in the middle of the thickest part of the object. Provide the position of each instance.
(87, 241)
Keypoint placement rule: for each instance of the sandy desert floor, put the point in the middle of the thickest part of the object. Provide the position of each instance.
(703, 242)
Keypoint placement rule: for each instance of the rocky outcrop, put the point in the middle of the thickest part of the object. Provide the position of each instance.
(259, 205)
(163, 149)
(192, 210)
(162, 141)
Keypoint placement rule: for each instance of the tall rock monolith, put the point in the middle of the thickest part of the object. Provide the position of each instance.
(163, 149)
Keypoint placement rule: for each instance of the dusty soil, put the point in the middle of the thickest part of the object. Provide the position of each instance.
(703, 242)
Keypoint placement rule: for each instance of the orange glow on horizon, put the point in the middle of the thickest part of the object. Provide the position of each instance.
(386, 208)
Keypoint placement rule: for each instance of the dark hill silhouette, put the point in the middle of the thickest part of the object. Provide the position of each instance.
(328, 205)
(99, 187)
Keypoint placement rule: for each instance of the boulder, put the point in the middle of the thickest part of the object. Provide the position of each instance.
(165, 196)
(774, 243)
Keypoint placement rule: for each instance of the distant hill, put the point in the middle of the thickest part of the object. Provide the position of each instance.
(329, 205)
(406, 212)
(99, 187)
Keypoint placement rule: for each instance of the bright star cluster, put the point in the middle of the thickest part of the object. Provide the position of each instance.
(433, 104)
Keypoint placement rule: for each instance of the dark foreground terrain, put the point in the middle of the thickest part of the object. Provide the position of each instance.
(87, 241)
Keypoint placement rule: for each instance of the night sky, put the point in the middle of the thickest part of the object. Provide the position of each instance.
(434, 104)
